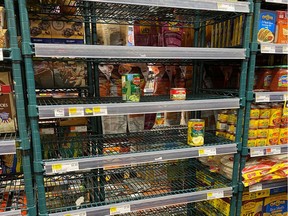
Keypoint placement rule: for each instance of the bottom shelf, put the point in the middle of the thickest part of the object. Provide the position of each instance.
(12, 197)
(132, 189)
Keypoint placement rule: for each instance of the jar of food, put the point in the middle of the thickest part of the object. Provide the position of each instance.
(263, 77)
(280, 79)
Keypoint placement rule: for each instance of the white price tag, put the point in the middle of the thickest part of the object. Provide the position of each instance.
(98, 111)
(158, 159)
(265, 48)
(273, 150)
(207, 152)
(65, 167)
(47, 131)
(262, 98)
(78, 111)
(76, 214)
(285, 50)
(256, 152)
(78, 129)
(120, 209)
(215, 195)
(226, 7)
(285, 97)
(60, 112)
(256, 187)
(1, 55)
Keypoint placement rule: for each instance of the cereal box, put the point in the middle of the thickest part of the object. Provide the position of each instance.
(7, 113)
(275, 205)
(282, 27)
(267, 26)
(40, 29)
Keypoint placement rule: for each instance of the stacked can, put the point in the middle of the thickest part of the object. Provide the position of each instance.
(226, 124)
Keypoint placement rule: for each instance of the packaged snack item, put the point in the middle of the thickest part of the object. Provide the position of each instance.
(4, 41)
(223, 116)
(276, 114)
(232, 117)
(262, 133)
(283, 137)
(2, 18)
(12, 163)
(221, 126)
(5, 82)
(114, 34)
(264, 111)
(252, 207)
(253, 124)
(282, 27)
(275, 205)
(7, 113)
(267, 26)
(263, 123)
(172, 34)
(40, 29)
(261, 142)
(252, 143)
(273, 136)
(252, 133)
(255, 112)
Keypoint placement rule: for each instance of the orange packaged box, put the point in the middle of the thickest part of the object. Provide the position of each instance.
(282, 27)
(273, 136)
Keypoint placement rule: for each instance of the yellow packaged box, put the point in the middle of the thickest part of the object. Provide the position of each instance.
(4, 41)
(275, 205)
(2, 18)
(252, 207)
(67, 32)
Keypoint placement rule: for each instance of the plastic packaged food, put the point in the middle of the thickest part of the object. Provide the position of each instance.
(283, 136)
(255, 112)
(265, 111)
(253, 124)
(252, 133)
(223, 116)
(232, 117)
(280, 79)
(251, 142)
(221, 126)
(261, 142)
(262, 133)
(276, 114)
(263, 123)
(273, 136)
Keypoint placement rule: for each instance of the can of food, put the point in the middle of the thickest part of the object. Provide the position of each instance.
(221, 126)
(196, 130)
(178, 94)
(223, 116)
(131, 87)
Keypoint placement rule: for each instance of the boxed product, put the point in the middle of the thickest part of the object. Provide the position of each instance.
(2, 18)
(252, 207)
(4, 41)
(7, 113)
(40, 29)
(113, 34)
(275, 205)
(67, 32)
(5, 82)
(282, 27)
(267, 26)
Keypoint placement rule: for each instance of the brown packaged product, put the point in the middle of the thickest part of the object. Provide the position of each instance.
(43, 73)
(2, 18)
(162, 82)
(7, 113)
(4, 42)
(73, 122)
(40, 29)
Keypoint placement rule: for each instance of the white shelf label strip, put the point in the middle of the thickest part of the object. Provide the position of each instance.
(256, 187)
(268, 48)
(215, 195)
(273, 150)
(76, 214)
(207, 152)
(120, 209)
(65, 167)
(262, 98)
(1, 55)
(225, 7)
(59, 112)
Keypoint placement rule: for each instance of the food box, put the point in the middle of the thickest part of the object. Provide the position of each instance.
(4, 41)
(67, 32)
(2, 18)
(252, 207)
(5, 82)
(40, 29)
(282, 27)
(275, 205)
(267, 26)
(7, 113)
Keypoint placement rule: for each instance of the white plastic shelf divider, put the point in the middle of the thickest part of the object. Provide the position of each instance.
(268, 185)
(187, 4)
(81, 110)
(268, 150)
(135, 52)
(11, 213)
(271, 48)
(8, 144)
(151, 203)
(136, 158)
(277, 1)
(270, 96)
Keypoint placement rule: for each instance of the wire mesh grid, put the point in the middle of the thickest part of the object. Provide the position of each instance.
(68, 192)
(4, 137)
(12, 195)
(78, 145)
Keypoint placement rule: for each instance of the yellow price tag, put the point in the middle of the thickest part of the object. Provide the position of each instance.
(88, 111)
(56, 167)
(96, 109)
(201, 151)
(113, 209)
(209, 194)
(72, 111)
(67, 215)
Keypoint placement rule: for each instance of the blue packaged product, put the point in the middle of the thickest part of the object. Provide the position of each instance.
(267, 26)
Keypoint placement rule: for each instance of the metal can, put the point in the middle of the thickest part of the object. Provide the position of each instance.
(178, 94)
(196, 130)
(131, 87)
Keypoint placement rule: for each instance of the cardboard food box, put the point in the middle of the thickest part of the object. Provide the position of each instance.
(275, 205)
(4, 39)
(252, 207)
(67, 32)
(7, 113)
(40, 29)
(267, 27)
(2, 18)
(5, 82)
(282, 27)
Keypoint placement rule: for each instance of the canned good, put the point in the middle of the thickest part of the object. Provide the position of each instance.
(262, 133)
(261, 142)
(232, 117)
(283, 137)
(253, 124)
(231, 129)
(221, 133)
(131, 87)
(196, 130)
(178, 94)
(273, 136)
(263, 123)
(255, 112)
(251, 142)
(265, 111)
(252, 134)
(230, 136)
(223, 116)
(221, 126)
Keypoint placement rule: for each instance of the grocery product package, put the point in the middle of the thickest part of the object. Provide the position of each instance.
(2, 18)
(171, 34)
(282, 27)
(275, 205)
(136, 122)
(7, 113)
(5, 82)
(114, 124)
(40, 29)
(145, 35)
(114, 34)
(12, 163)
(4, 39)
(267, 26)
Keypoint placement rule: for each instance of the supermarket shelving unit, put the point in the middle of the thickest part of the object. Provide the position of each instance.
(258, 97)
(12, 185)
(86, 173)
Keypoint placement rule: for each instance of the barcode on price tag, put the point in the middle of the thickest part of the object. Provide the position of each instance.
(226, 7)
(256, 187)
(262, 98)
(120, 209)
(65, 167)
(268, 48)
(256, 152)
(59, 112)
(215, 195)
(207, 152)
(78, 129)
(273, 150)
(79, 111)
(76, 214)
(97, 111)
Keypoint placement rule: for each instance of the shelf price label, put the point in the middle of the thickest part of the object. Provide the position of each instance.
(215, 195)
(256, 152)
(76, 111)
(78, 129)
(226, 7)
(98, 111)
(47, 130)
(207, 152)
(262, 98)
(65, 167)
(120, 209)
(273, 150)
(265, 48)
(256, 187)
(59, 112)
(76, 214)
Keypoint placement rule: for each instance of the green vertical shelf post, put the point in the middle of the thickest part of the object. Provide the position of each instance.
(249, 96)
(20, 106)
(32, 107)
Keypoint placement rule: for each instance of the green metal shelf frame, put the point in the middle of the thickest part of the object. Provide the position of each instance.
(15, 56)
(27, 51)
